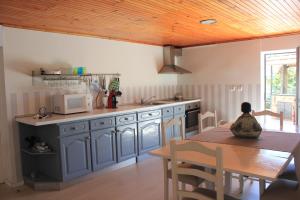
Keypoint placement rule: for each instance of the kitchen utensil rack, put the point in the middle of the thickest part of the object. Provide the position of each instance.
(57, 77)
(67, 80)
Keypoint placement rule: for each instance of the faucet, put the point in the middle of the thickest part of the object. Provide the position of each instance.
(144, 101)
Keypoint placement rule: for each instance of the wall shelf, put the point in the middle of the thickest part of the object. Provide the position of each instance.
(34, 153)
(85, 77)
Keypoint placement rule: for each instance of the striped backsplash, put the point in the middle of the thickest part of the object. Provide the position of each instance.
(214, 97)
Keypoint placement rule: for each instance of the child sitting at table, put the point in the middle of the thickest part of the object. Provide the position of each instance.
(246, 125)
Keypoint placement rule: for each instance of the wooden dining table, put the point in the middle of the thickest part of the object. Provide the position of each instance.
(264, 158)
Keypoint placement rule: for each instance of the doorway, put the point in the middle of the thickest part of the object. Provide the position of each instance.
(280, 83)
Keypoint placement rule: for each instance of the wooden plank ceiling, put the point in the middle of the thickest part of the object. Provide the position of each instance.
(158, 22)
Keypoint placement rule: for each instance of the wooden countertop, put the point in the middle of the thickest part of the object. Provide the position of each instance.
(55, 118)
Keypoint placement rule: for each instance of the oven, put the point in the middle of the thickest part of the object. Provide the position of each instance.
(191, 117)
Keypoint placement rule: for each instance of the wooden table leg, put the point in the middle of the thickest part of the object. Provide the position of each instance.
(166, 180)
(228, 182)
(262, 186)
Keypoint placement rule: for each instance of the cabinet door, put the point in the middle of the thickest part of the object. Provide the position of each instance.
(127, 141)
(169, 131)
(149, 135)
(103, 148)
(75, 156)
(177, 127)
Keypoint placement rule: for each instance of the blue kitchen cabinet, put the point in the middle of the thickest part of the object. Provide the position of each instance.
(75, 156)
(149, 135)
(126, 142)
(103, 147)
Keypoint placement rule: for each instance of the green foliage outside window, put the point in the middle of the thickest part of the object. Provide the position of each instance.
(291, 82)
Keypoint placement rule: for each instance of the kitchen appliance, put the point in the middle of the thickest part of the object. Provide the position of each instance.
(72, 103)
(191, 117)
(112, 100)
(178, 97)
(114, 91)
(169, 66)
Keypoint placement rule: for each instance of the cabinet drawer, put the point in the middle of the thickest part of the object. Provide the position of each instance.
(179, 109)
(153, 114)
(126, 119)
(102, 123)
(166, 112)
(73, 128)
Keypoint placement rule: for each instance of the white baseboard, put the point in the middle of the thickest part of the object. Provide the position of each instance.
(10, 184)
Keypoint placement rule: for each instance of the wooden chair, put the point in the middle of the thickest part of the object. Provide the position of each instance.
(180, 121)
(290, 171)
(184, 179)
(282, 189)
(263, 113)
(207, 115)
(270, 113)
(216, 178)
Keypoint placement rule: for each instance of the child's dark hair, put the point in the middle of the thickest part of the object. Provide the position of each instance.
(246, 107)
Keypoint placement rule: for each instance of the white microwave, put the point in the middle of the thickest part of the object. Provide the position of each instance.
(72, 103)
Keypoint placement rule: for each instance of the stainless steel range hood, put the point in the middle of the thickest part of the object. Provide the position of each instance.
(169, 66)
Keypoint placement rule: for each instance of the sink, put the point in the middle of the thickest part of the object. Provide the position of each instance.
(155, 103)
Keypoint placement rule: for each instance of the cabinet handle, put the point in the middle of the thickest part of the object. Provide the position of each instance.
(73, 128)
(150, 114)
(117, 130)
(113, 131)
(102, 123)
(126, 118)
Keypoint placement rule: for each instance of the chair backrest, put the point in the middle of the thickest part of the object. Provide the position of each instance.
(204, 116)
(178, 121)
(177, 170)
(270, 113)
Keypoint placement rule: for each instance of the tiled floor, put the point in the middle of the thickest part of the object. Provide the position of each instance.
(142, 181)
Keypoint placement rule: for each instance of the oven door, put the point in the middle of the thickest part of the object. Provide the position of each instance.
(191, 120)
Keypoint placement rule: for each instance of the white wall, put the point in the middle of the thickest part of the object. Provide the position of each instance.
(26, 50)
(216, 68)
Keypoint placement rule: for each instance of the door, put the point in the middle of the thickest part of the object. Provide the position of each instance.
(281, 84)
(127, 141)
(103, 148)
(149, 135)
(75, 156)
